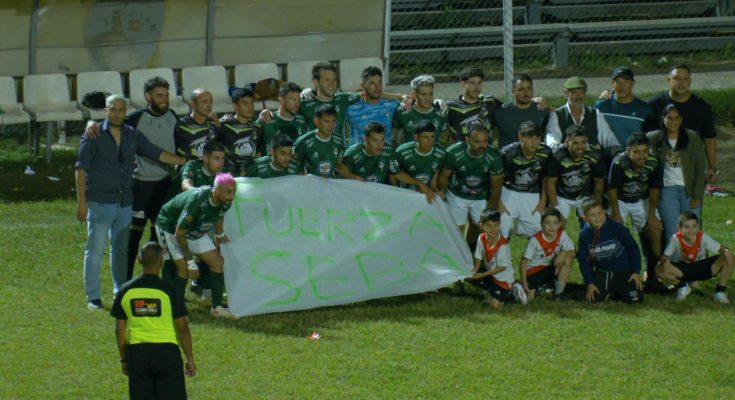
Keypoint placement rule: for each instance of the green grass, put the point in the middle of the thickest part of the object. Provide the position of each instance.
(429, 346)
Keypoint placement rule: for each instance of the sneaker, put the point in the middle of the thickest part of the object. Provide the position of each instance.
(95, 305)
(683, 292)
(222, 312)
(519, 294)
(196, 289)
(720, 297)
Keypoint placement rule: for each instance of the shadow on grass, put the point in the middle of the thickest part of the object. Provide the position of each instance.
(468, 308)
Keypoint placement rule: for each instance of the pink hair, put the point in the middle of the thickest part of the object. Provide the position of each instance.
(224, 179)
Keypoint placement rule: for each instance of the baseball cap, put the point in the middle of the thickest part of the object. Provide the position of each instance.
(623, 72)
(575, 82)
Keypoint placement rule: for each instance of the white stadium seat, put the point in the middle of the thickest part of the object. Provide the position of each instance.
(252, 73)
(351, 68)
(299, 72)
(11, 111)
(212, 78)
(99, 81)
(137, 79)
(46, 97)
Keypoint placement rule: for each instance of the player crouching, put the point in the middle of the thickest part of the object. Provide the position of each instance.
(548, 256)
(493, 270)
(697, 257)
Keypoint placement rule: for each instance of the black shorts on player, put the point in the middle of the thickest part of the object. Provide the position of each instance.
(498, 292)
(697, 271)
(544, 276)
(616, 286)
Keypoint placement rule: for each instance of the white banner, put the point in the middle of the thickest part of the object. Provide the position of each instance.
(300, 242)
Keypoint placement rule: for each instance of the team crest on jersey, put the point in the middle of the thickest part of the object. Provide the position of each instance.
(525, 177)
(423, 178)
(372, 178)
(325, 168)
(573, 179)
(632, 188)
(245, 148)
(473, 181)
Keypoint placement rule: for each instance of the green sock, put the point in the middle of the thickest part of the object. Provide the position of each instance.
(180, 282)
(204, 275)
(217, 280)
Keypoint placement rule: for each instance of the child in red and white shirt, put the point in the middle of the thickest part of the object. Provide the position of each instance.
(693, 255)
(548, 256)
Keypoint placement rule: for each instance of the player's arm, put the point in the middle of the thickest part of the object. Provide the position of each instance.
(542, 197)
(187, 184)
(191, 265)
(612, 194)
(496, 185)
(171, 158)
(443, 181)
(598, 189)
(553, 132)
(219, 231)
(345, 171)
(523, 269)
(183, 334)
(654, 194)
(121, 334)
(475, 268)
(404, 177)
(550, 184)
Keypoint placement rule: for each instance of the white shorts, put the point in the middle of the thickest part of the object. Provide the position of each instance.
(459, 207)
(565, 206)
(172, 251)
(519, 206)
(638, 213)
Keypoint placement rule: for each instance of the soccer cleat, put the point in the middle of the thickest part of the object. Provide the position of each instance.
(720, 297)
(196, 289)
(222, 312)
(95, 305)
(519, 294)
(683, 292)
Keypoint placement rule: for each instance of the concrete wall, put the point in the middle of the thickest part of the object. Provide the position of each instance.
(83, 35)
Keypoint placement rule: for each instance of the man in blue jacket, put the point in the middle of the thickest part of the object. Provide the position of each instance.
(608, 257)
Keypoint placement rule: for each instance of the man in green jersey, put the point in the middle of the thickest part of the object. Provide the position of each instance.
(278, 163)
(317, 151)
(241, 136)
(423, 109)
(183, 226)
(197, 173)
(368, 161)
(417, 162)
(472, 177)
(286, 120)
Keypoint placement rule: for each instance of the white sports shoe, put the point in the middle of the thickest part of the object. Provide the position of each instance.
(720, 297)
(683, 292)
(222, 312)
(519, 294)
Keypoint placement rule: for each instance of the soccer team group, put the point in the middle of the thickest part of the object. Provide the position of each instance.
(649, 160)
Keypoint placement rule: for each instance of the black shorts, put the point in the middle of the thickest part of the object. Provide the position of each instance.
(616, 285)
(541, 277)
(498, 292)
(155, 371)
(148, 198)
(697, 271)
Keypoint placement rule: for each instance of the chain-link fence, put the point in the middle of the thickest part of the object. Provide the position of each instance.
(562, 38)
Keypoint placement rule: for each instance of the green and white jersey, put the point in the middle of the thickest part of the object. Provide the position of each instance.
(293, 128)
(341, 101)
(407, 121)
(315, 155)
(370, 168)
(471, 175)
(192, 210)
(194, 170)
(423, 167)
(263, 168)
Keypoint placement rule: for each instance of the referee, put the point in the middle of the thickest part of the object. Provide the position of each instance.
(151, 323)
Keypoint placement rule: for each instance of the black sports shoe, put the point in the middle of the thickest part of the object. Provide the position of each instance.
(95, 304)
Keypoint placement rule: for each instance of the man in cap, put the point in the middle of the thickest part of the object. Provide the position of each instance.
(575, 115)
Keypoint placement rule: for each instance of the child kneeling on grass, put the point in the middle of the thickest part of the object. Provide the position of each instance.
(608, 257)
(548, 256)
(697, 257)
(493, 271)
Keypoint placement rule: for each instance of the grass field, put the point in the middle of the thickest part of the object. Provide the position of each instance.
(429, 346)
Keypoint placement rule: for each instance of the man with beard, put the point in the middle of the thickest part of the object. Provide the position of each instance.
(405, 122)
(373, 108)
(509, 117)
(197, 128)
(470, 106)
(277, 163)
(105, 193)
(286, 120)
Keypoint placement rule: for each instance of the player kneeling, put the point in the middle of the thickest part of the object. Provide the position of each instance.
(493, 270)
(548, 256)
(697, 257)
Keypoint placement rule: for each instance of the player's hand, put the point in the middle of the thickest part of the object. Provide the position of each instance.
(711, 175)
(541, 104)
(637, 279)
(539, 209)
(214, 119)
(308, 94)
(440, 106)
(92, 130)
(654, 224)
(502, 209)
(228, 118)
(605, 95)
(82, 212)
(428, 192)
(591, 290)
(266, 116)
(693, 203)
(442, 194)
(191, 368)
(223, 239)
(617, 218)
(124, 367)
(407, 102)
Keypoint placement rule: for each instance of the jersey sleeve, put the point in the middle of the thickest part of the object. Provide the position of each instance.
(552, 167)
(117, 310)
(187, 171)
(710, 246)
(497, 166)
(479, 250)
(190, 214)
(615, 179)
(598, 169)
(502, 257)
(394, 166)
(672, 247)
(531, 248)
(178, 304)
